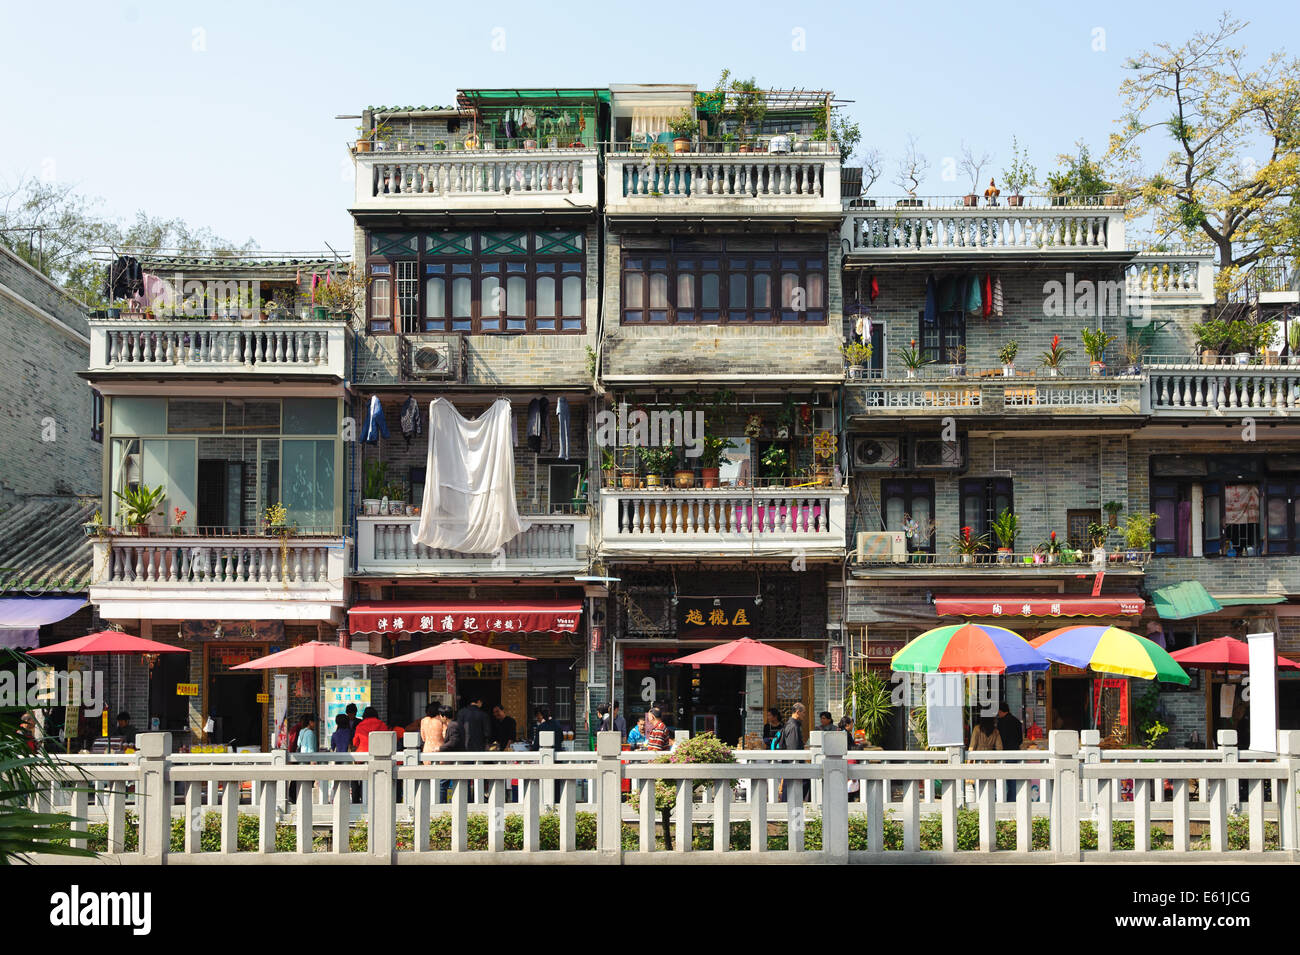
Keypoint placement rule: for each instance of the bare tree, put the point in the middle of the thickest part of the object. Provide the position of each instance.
(912, 168)
(973, 165)
(873, 166)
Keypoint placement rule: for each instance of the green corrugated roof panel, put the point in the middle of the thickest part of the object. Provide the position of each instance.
(1183, 600)
(539, 95)
(1247, 600)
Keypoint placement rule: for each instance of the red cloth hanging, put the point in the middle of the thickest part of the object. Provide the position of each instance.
(988, 294)
(875, 288)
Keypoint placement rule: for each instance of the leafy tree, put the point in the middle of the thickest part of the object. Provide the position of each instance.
(1233, 174)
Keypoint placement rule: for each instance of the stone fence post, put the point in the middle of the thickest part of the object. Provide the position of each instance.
(383, 812)
(835, 796)
(609, 796)
(1064, 747)
(155, 796)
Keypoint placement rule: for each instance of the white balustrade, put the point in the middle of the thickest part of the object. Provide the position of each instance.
(551, 541)
(718, 183)
(1225, 389)
(460, 178)
(726, 519)
(996, 395)
(1170, 277)
(197, 562)
(997, 229)
(202, 345)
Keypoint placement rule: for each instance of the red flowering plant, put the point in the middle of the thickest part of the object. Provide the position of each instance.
(1056, 355)
(968, 543)
(178, 519)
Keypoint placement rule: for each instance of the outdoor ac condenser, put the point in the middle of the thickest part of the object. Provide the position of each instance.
(431, 357)
(881, 547)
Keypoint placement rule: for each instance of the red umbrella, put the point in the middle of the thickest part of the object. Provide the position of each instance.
(107, 641)
(313, 654)
(452, 651)
(748, 653)
(1224, 653)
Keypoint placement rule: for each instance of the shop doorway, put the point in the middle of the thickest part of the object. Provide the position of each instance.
(550, 686)
(711, 699)
(488, 690)
(234, 697)
(172, 711)
(1071, 703)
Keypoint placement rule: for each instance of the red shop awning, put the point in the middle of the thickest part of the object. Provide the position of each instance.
(1038, 606)
(485, 616)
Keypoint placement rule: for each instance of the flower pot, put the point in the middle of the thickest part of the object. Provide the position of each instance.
(1099, 557)
(709, 477)
(1004, 555)
(746, 149)
(370, 506)
(1242, 358)
(529, 144)
(957, 371)
(1113, 518)
(683, 478)
(967, 558)
(783, 433)
(1096, 368)
(908, 203)
(141, 530)
(607, 479)
(1015, 202)
(681, 145)
(970, 201)
(1008, 371)
(363, 145)
(396, 508)
(653, 480)
(1209, 357)
(114, 313)
(823, 476)
(1051, 558)
(628, 481)
(320, 313)
(910, 372)
(472, 142)
(855, 371)
(439, 147)
(1053, 372)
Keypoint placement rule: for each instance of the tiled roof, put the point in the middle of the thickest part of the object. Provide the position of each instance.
(238, 263)
(43, 548)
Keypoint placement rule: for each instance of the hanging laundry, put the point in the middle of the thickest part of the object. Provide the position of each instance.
(124, 280)
(315, 280)
(469, 489)
(376, 426)
(154, 293)
(997, 296)
(974, 304)
(514, 429)
(875, 288)
(931, 315)
(538, 422)
(411, 427)
(950, 287)
(988, 295)
(562, 427)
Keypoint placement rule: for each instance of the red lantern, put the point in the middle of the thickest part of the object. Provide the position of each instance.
(597, 637)
(837, 659)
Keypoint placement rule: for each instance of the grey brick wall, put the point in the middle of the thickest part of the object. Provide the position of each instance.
(40, 393)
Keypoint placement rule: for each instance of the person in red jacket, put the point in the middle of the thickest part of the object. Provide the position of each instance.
(370, 723)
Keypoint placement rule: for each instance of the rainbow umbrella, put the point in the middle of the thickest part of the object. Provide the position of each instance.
(1110, 650)
(969, 648)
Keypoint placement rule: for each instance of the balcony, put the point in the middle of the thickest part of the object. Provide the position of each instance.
(720, 184)
(724, 522)
(488, 180)
(553, 544)
(1170, 278)
(1182, 386)
(1073, 393)
(276, 347)
(880, 563)
(902, 228)
(219, 578)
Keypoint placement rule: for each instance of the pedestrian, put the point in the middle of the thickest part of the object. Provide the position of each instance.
(636, 736)
(792, 739)
(453, 741)
(772, 729)
(370, 723)
(603, 721)
(620, 724)
(124, 730)
(306, 743)
(350, 711)
(986, 735)
(341, 740)
(846, 724)
(657, 735)
(505, 732)
(431, 729)
(1012, 732)
(475, 725)
(826, 722)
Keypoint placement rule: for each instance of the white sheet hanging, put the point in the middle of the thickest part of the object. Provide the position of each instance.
(469, 489)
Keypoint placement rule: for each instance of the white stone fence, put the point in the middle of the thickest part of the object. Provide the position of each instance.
(861, 806)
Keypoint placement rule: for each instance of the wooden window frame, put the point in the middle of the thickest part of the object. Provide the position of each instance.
(947, 321)
(909, 489)
(988, 489)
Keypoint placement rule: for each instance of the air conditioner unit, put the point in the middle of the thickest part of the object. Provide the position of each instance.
(881, 547)
(876, 454)
(932, 454)
(431, 357)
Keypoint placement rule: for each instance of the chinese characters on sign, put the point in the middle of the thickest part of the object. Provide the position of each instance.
(729, 617)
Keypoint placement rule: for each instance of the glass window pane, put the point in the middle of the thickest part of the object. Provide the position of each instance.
(139, 416)
(894, 513)
(572, 290)
(170, 464)
(658, 290)
(737, 297)
(192, 416)
(762, 291)
(709, 290)
(789, 282)
(490, 298)
(252, 416)
(435, 298)
(311, 416)
(816, 290)
(685, 290)
(517, 295)
(308, 484)
(634, 295)
(545, 296)
(461, 298)
(380, 299)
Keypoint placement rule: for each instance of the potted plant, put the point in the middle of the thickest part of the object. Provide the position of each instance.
(178, 521)
(277, 525)
(785, 419)
(395, 491)
(1007, 355)
(1006, 528)
(1134, 350)
(911, 171)
(869, 699)
(973, 166)
(439, 146)
(139, 502)
(1054, 356)
(1095, 343)
(1051, 548)
(374, 480)
(1139, 531)
(858, 355)
(1293, 342)
(968, 545)
(1018, 176)
(95, 527)
(912, 358)
(631, 461)
(711, 458)
(607, 466)
(776, 462)
(749, 105)
(683, 127)
(658, 464)
(683, 476)
(958, 367)
(1097, 534)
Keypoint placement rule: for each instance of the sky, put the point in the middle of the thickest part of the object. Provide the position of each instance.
(224, 114)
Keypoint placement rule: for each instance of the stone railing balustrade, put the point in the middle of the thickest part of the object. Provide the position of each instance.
(384, 545)
(712, 183)
(479, 178)
(909, 230)
(1224, 389)
(272, 347)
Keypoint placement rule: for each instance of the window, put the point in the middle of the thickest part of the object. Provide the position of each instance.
(1282, 515)
(96, 417)
(691, 281)
(940, 340)
(482, 282)
(1076, 527)
(982, 500)
(910, 505)
(565, 480)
